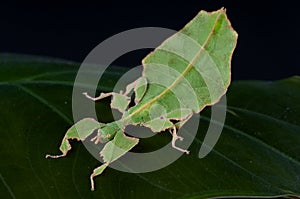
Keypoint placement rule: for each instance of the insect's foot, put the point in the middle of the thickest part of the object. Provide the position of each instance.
(180, 149)
(89, 97)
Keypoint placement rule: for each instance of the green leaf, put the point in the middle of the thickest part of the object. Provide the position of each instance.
(257, 154)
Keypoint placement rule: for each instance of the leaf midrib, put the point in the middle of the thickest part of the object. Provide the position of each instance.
(255, 140)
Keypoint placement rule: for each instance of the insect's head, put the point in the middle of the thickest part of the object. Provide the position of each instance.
(107, 132)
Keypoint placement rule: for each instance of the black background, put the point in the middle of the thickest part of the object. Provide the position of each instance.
(268, 45)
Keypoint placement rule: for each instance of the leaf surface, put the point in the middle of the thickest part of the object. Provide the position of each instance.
(257, 154)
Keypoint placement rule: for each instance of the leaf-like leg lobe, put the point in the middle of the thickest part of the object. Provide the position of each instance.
(97, 171)
(79, 131)
(120, 102)
(112, 151)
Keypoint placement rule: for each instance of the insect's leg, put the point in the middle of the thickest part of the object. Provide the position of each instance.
(139, 86)
(97, 171)
(102, 95)
(130, 87)
(119, 101)
(112, 151)
(78, 131)
(179, 124)
(176, 137)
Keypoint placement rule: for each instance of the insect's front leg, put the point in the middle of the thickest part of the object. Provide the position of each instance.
(79, 131)
(119, 101)
(101, 96)
(97, 171)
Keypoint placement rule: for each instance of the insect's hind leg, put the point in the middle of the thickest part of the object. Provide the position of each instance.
(176, 137)
(97, 171)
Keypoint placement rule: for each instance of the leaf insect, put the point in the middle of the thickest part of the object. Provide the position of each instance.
(163, 101)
